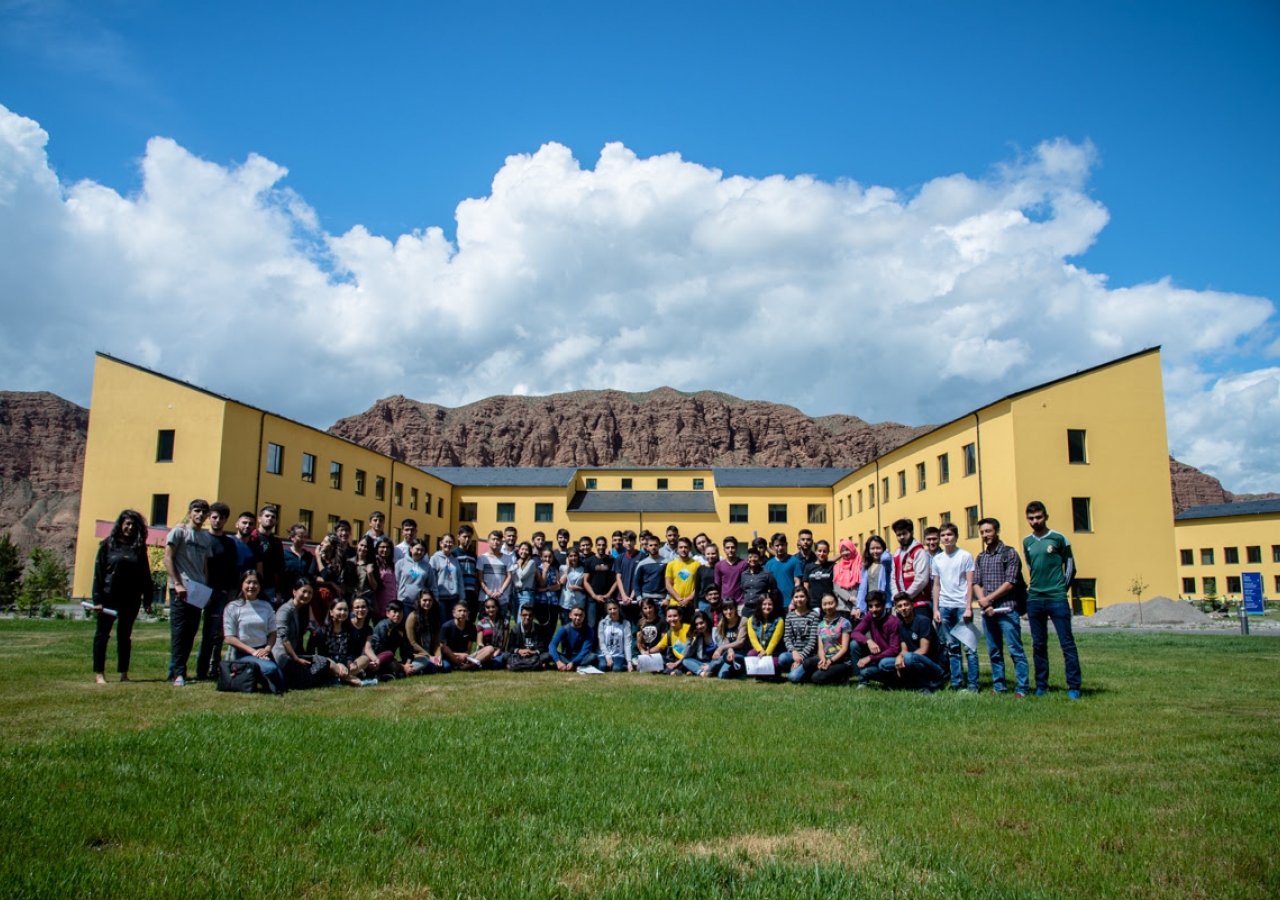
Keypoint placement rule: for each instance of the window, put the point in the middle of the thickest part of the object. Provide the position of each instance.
(1231, 556)
(1081, 514)
(1253, 555)
(591, 484)
(921, 525)
(944, 468)
(817, 514)
(275, 459)
(1188, 585)
(360, 482)
(1211, 587)
(426, 504)
(164, 446)
(1278, 584)
(1206, 556)
(439, 507)
(971, 521)
(542, 512)
(466, 512)
(160, 510)
(1186, 557)
(1275, 553)
(357, 529)
(379, 487)
(902, 483)
(859, 501)
(333, 523)
(1077, 454)
(662, 484)
(506, 512)
(626, 484)
(413, 498)
(884, 491)
(921, 479)
(842, 507)
(1083, 587)
(970, 459)
(1233, 584)
(777, 513)
(871, 495)
(397, 493)
(308, 467)
(698, 484)
(737, 513)
(335, 476)
(943, 518)
(304, 519)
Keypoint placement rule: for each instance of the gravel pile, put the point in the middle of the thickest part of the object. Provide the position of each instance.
(1157, 611)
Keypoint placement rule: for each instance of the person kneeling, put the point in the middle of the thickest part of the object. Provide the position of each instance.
(919, 661)
(527, 651)
(876, 638)
(574, 645)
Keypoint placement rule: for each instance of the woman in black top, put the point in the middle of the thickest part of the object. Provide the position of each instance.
(121, 584)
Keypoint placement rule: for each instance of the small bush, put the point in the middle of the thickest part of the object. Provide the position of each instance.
(46, 583)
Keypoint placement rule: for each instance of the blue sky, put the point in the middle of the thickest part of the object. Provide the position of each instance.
(387, 117)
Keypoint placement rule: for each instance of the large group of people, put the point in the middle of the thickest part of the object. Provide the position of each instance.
(362, 611)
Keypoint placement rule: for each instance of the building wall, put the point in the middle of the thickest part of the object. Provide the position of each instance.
(1219, 535)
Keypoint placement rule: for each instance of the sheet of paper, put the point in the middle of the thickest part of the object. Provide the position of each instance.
(649, 662)
(965, 635)
(198, 594)
(589, 670)
(760, 665)
(105, 611)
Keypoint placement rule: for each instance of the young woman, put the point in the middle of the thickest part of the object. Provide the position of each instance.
(368, 579)
(384, 556)
(448, 575)
(300, 671)
(360, 621)
(491, 632)
(832, 664)
(122, 584)
(613, 636)
(731, 643)
(424, 637)
(547, 600)
(573, 594)
(333, 566)
(877, 566)
(799, 636)
(700, 652)
(249, 628)
(674, 641)
(650, 628)
(847, 576)
(339, 642)
(524, 577)
(764, 628)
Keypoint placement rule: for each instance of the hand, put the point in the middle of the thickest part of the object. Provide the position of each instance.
(180, 593)
(937, 617)
(796, 657)
(262, 653)
(900, 663)
(730, 655)
(97, 607)
(873, 646)
(855, 614)
(988, 611)
(824, 663)
(864, 662)
(340, 670)
(968, 615)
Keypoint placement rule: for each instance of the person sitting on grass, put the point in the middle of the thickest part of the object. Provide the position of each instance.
(674, 641)
(249, 628)
(833, 663)
(876, 638)
(388, 642)
(700, 652)
(458, 643)
(491, 631)
(360, 613)
(527, 652)
(764, 628)
(338, 642)
(799, 636)
(613, 637)
(300, 671)
(919, 661)
(424, 638)
(650, 628)
(574, 645)
(731, 643)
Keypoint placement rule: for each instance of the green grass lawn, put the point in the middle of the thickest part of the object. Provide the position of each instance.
(1163, 782)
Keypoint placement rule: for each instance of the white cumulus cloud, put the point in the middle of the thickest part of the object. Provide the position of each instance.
(834, 297)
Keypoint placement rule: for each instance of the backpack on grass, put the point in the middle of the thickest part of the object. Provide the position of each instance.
(239, 677)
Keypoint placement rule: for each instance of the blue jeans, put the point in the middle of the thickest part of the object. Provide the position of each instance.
(951, 617)
(1039, 613)
(422, 665)
(1005, 630)
(795, 670)
(722, 668)
(917, 672)
(696, 666)
(613, 663)
(268, 668)
(593, 614)
(522, 599)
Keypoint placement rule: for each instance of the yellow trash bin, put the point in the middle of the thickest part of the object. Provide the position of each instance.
(1088, 605)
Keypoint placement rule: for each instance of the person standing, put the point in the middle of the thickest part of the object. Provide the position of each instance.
(246, 552)
(997, 572)
(269, 549)
(492, 572)
(846, 578)
(912, 574)
(787, 569)
(670, 550)
(877, 572)
(121, 584)
(953, 604)
(408, 533)
(1051, 566)
(819, 576)
(186, 554)
(681, 575)
(755, 582)
(650, 574)
(601, 582)
(448, 577)
(624, 564)
(465, 554)
(728, 573)
(299, 561)
(223, 567)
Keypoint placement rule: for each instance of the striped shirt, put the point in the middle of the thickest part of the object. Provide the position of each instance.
(994, 569)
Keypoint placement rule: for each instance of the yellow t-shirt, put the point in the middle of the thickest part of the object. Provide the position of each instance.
(683, 577)
(676, 639)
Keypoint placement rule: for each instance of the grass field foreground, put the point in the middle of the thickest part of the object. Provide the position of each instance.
(1163, 782)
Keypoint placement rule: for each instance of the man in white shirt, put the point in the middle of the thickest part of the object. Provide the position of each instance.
(408, 531)
(952, 594)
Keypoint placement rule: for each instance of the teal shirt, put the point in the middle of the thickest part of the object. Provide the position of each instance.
(1047, 565)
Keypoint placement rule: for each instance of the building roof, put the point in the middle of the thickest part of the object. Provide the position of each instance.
(643, 502)
(777, 477)
(503, 476)
(1223, 510)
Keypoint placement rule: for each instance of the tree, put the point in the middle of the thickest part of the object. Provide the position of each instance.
(10, 572)
(46, 582)
(1137, 587)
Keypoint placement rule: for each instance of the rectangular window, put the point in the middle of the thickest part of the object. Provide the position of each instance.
(737, 513)
(160, 510)
(1188, 585)
(591, 484)
(884, 491)
(439, 507)
(871, 495)
(817, 514)
(1275, 553)
(922, 480)
(164, 445)
(1081, 514)
(1211, 587)
(426, 504)
(943, 518)
(1188, 558)
(379, 488)
(859, 500)
(275, 459)
(413, 498)
(662, 484)
(1253, 555)
(1077, 452)
(1231, 556)
(1278, 585)
(1206, 556)
(397, 493)
(333, 523)
(921, 525)
(944, 469)
(841, 507)
(466, 512)
(1233, 584)
(360, 482)
(357, 529)
(698, 484)
(308, 467)
(543, 512)
(777, 513)
(970, 459)
(506, 512)
(971, 521)
(902, 483)
(304, 519)
(335, 476)
(626, 484)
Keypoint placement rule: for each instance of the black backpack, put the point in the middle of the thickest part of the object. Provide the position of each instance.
(239, 677)
(1019, 587)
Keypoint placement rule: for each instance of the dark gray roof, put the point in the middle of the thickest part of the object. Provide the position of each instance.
(503, 476)
(777, 478)
(643, 502)
(1222, 510)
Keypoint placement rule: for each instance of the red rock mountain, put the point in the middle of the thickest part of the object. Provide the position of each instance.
(1191, 487)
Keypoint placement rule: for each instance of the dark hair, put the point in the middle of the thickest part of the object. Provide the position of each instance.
(903, 525)
(245, 576)
(197, 504)
(384, 540)
(534, 536)
(994, 523)
(617, 533)
(306, 532)
(243, 514)
(949, 526)
(628, 534)
(730, 538)
(465, 529)
(685, 541)
(705, 617)
(564, 531)
(273, 509)
(804, 531)
(878, 596)
(300, 582)
(866, 548)
(901, 595)
(671, 528)
(139, 528)
(342, 523)
(701, 534)
(932, 530)
(778, 537)
(824, 543)
(395, 606)
(801, 590)
(410, 523)
(1035, 506)
(754, 550)
(221, 508)
(447, 534)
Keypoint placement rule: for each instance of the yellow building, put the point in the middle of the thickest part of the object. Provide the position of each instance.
(1217, 543)
(1092, 446)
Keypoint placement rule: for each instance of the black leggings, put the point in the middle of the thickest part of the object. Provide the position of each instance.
(124, 645)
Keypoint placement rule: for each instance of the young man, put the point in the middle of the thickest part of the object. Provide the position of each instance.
(705, 580)
(270, 552)
(876, 638)
(996, 586)
(651, 574)
(670, 550)
(919, 661)
(492, 572)
(223, 567)
(510, 538)
(468, 564)
(932, 538)
(389, 641)
(755, 582)
(953, 604)
(246, 552)
(729, 572)
(912, 574)
(458, 642)
(574, 644)
(376, 520)
(186, 555)
(787, 569)
(624, 567)
(616, 550)
(561, 549)
(538, 540)
(601, 581)
(805, 549)
(820, 574)
(346, 550)
(528, 652)
(681, 577)
(408, 532)
(1051, 567)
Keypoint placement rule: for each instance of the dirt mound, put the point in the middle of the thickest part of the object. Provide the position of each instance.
(1157, 611)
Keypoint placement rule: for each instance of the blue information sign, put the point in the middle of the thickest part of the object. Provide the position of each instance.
(1252, 584)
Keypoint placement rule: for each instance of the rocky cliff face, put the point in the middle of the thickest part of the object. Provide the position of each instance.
(1191, 487)
(42, 443)
(612, 428)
